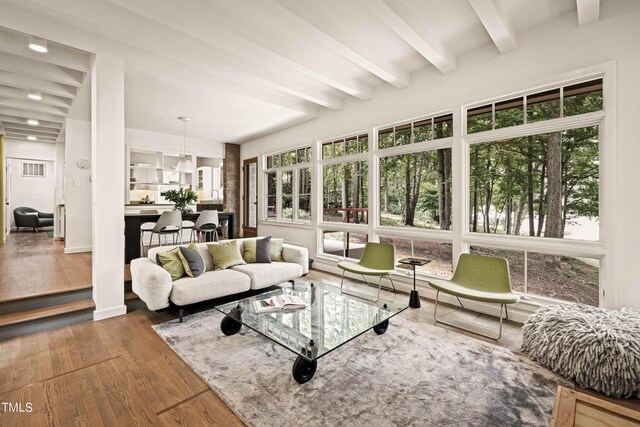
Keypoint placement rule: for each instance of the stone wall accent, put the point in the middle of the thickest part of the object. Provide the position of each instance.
(231, 182)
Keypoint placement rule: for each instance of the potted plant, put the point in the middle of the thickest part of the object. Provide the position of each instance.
(181, 198)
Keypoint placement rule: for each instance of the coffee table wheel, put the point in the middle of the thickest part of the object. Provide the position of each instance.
(230, 326)
(303, 369)
(381, 328)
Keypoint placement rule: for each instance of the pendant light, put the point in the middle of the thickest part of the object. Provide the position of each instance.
(184, 165)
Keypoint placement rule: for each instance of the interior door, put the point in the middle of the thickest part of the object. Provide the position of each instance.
(250, 198)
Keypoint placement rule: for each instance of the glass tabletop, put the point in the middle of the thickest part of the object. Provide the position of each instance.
(329, 320)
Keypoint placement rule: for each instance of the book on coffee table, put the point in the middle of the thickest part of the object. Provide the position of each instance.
(278, 302)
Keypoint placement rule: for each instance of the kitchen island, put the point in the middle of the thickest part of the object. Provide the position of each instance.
(132, 222)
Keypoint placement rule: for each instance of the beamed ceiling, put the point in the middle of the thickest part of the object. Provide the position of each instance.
(242, 69)
(55, 76)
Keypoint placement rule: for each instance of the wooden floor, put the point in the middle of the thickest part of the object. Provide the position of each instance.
(119, 371)
(35, 264)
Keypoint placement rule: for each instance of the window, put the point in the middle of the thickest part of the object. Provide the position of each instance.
(415, 190)
(541, 180)
(570, 100)
(561, 277)
(34, 169)
(344, 244)
(271, 194)
(544, 185)
(416, 132)
(304, 194)
(345, 146)
(440, 255)
(288, 185)
(345, 195)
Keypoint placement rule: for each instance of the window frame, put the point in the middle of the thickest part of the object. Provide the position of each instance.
(605, 120)
(279, 170)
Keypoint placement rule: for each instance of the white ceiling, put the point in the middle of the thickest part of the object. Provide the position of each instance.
(242, 69)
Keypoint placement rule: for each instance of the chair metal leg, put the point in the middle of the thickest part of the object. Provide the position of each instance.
(435, 317)
(379, 286)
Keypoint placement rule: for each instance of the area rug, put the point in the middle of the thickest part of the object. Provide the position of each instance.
(414, 374)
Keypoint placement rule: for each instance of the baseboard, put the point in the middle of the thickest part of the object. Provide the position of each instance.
(78, 249)
(109, 312)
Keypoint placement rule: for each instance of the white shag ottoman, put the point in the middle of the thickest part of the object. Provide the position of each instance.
(595, 347)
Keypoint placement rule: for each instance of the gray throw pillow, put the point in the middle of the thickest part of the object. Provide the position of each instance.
(263, 250)
(191, 261)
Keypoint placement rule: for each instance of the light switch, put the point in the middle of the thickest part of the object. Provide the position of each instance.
(76, 183)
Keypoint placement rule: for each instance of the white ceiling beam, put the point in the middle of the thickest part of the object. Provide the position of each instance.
(21, 94)
(32, 106)
(1, 129)
(24, 137)
(33, 132)
(408, 25)
(588, 11)
(216, 27)
(22, 121)
(33, 83)
(496, 23)
(181, 46)
(17, 44)
(35, 68)
(87, 34)
(17, 127)
(345, 42)
(31, 115)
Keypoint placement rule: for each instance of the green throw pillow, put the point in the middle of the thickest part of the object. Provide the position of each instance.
(276, 250)
(257, 250)
(249, 253)
(226, 254)
(171, 262)
(191, 260)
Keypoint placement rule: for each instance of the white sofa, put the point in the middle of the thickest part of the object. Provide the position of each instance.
(153, 284)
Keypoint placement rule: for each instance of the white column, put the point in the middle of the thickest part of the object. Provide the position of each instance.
(108, 172)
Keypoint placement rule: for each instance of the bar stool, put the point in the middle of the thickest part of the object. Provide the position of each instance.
(170, 222)
(146, 227)
(207, 222)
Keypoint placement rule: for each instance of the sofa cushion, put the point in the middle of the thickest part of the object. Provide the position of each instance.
(276, 250)
(257, 250)
(209, 285)
(191, 260)
(264, 275)
(226, 254)
(171, 262)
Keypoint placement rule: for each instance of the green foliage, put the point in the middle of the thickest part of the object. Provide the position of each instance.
(181, 198)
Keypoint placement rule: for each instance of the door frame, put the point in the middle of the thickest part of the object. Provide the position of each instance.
(249, 231)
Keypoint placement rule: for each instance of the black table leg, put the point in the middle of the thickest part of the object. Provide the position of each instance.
(414, 299)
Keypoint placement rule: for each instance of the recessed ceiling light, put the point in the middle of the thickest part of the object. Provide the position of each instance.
(37, 44)
(32, 138)
(36, 96)
(33, 122)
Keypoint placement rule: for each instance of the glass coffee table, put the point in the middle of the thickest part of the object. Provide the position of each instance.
(329, 320)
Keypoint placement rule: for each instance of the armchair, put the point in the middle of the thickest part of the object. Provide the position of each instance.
(29, 217)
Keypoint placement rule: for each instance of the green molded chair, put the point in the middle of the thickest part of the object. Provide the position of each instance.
(478, 278)
(378, 259)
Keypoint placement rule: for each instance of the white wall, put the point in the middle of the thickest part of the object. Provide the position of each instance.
(543, 53)
(37, 193)
(32, 192)
(77, 186)
(29, 149)
(59, 186)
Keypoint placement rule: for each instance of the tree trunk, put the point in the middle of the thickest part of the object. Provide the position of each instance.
(541, 213)
(345, 194)
(519, 216)
(553, 226)
(356, 190)
(386, 193)
(440, 167)
(475, 195)
(530, 207)
(447, 190)
(487, 201)
(408, 217)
